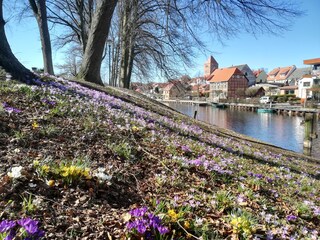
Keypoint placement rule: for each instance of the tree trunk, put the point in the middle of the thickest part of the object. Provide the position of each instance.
(129, 21)
(91, 63)
(130, 67)
(83, 25)
(7, 60)
(115, 65)
(40, 12)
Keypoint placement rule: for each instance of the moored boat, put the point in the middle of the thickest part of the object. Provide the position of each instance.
(219, 105)
(265, 110)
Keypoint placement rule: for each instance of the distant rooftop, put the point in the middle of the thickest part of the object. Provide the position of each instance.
(313, 61)
(224, 74)
(300, 72)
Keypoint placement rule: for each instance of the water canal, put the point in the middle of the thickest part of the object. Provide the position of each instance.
(280, 130)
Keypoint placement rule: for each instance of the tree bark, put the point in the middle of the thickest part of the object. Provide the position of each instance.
(7, 60)
(130, 68)
(82, 24)
(40, 12)
(129, 21)
(115, 64)
(124, 43)
(91, 63)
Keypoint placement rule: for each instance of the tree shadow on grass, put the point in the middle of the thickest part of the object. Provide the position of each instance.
(120, 194)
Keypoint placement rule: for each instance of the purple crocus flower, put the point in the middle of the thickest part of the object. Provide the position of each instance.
(291, 217)
(145, 222)
(10, 109)
(31, 226)
(129, 225)
(154, 220)
(258, 175)
(48, 101)
(316, 211)
(185, 148)
(7, 225)
(24, 221)
(162, 229)
(141, 228)
(138, 212)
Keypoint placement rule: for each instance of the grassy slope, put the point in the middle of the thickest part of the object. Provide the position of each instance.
(201, 180)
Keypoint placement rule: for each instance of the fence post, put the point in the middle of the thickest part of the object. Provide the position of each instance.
(310, 131)
(314, 129)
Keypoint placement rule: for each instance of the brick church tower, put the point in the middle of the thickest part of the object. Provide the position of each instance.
(209, 66)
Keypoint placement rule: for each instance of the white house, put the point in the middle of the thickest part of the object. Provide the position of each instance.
(304, 86)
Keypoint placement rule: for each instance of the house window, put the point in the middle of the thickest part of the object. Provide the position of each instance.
(306, 84)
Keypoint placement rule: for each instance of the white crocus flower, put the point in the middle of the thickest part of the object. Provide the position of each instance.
(15, 172)
(100, 174)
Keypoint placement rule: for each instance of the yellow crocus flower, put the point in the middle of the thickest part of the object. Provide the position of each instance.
(173, 215)
(35, 125)
(45, 168)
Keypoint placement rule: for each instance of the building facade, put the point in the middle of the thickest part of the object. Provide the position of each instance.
(298, 74)
(261, 76)
(209, 66)
(173, 90)
(305, 86)
(227, 83)
(315, 63)
(246, 70)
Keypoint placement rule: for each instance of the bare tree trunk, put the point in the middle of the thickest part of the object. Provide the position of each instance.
(115, 65)
(40, 12)
(132, 42)
(129, 18)
(123, 41)
(91, 63)
(7, 60)
(80, 6)
(130, 67)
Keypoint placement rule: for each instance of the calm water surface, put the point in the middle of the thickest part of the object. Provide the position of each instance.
(283, 131)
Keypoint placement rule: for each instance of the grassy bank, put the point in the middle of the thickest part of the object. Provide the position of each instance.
(88, 162)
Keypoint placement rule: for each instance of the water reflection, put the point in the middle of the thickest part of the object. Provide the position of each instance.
(279, 130)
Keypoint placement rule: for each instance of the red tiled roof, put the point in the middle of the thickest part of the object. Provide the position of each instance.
(280, 73)
(224, 74)
(257, 72)
(284, 70)
(210, 76)
(274, 71)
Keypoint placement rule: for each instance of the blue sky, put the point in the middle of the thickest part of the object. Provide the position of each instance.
(267, 51)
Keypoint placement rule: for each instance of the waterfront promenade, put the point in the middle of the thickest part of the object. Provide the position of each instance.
(194, 102)
(279, 108)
